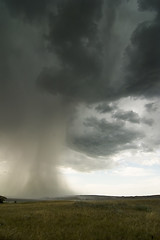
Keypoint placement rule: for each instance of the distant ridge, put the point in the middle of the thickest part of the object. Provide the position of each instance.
(81, 198)
(103, 197)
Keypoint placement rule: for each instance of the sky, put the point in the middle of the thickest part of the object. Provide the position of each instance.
(79, 97)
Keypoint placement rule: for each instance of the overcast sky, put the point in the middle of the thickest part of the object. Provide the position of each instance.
(79, 97)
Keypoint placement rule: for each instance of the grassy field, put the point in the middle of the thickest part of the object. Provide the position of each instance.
(81, 220)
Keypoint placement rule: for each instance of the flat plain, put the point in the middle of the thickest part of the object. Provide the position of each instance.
(119, 219)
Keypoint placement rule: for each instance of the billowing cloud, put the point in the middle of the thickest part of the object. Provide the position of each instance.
(30, 10)
(143, 62)
(105, 108)
(147, 121)
(132, 117)
(105, 138)
(149, 5)
(151, 107)
(127, 116)
(83, 42)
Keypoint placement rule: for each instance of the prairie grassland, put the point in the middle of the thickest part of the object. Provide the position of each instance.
(81, 220)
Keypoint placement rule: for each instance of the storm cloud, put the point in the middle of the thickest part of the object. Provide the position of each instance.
(149, 5)
(127, 116)
(56, 55)
(143, 62)
(82, 40)
(132, 117)
(104, 107)
(151, 107)
(104, 138)
(29, 10)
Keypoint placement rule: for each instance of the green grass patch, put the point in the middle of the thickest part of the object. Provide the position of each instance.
(81, 220)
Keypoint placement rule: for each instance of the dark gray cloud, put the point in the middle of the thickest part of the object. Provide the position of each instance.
(147, 121)
(29, 10)
(88, 59)
(73, 36)
(143, 62)
(104, 138)
(149, 5)
(83, 49)
(127, 116)
(151, 107)
(132, 117)
(105, 108)
(81, 35)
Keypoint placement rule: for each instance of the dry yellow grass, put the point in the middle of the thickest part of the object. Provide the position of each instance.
(85, 220)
